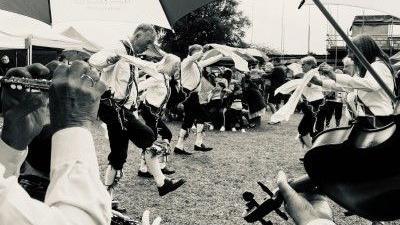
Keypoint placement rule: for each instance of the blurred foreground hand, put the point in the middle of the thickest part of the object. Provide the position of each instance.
(74, 96)
(24, 112)
(305, 209)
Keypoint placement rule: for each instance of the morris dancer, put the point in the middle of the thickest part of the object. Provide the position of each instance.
(156, 95)
(312, 107)
(191, 68)
(373, 106)
(119, 110)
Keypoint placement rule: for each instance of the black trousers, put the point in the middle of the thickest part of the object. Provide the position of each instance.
(137, 132)
(234, 119)
(314, 116)
(215, 109)
(333, 108)
(155, 123)
(194, 111)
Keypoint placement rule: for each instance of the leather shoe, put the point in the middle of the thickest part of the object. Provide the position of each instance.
(170, 185)
(179, 151)
(202, 148)
(167, 171)
(144, 174)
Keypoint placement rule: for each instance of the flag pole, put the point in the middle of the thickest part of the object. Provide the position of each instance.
(355, 50)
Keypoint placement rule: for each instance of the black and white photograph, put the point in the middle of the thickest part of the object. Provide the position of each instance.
(199, 112)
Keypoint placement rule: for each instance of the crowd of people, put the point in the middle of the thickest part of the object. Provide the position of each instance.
(132, 96)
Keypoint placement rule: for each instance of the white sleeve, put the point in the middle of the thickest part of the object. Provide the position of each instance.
(188, 61)
(366, 83)
(149, 82)
(331, 85)
(146, 66)
(321, 222)
(210, 61)
(99, 59)
(11, 159)
(75, 194)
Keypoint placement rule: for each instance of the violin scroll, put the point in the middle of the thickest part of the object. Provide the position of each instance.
(255, 212)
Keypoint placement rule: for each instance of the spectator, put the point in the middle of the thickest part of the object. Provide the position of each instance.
(254, 101)
(5, 65)
(216, 104)
(278, 78)
(334, 105)
(234, 114)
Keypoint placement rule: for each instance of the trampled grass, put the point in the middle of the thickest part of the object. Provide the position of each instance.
(217, 179)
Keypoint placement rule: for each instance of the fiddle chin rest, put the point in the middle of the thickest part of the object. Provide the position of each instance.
(375, 200)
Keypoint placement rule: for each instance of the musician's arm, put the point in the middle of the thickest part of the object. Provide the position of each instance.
(75, 186)
(332, 86)
(75, 194)
(368, 82)
(311, 211)
(360, 83)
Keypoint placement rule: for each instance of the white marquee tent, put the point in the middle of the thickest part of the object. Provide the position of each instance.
(8, 41)
(51, 40)
(88, 45)
(23, 33)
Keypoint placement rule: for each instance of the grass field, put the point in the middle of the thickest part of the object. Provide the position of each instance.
(217, 179)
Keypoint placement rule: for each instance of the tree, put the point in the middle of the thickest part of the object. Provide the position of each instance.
(218, 22)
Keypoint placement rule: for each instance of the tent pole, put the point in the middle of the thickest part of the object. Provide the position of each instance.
(355, 50)
(30, 50)
(28, 46)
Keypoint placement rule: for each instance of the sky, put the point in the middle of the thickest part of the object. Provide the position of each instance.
(271, 19)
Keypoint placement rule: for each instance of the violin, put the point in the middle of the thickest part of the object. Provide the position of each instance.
(355, 166)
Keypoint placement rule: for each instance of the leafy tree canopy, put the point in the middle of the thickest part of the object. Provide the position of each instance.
(218, 22)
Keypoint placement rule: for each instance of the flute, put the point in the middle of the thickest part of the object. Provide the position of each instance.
(26, 84)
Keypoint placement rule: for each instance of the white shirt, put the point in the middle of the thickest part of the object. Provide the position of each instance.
(156, 90)
(75, 194)
(191, 70)
(313, 92)
(116, 76)
(368, 89)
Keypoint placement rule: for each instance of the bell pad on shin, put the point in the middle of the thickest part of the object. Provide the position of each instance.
(159, 148)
